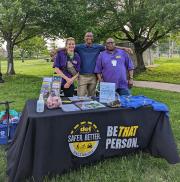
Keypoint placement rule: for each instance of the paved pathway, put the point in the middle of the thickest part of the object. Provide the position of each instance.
(158, 85)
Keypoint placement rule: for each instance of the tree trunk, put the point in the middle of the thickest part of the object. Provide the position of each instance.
(1, 80)
(139, 56)
(22, 56)
(10, 66)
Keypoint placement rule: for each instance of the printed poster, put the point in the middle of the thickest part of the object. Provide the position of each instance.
(107, 92)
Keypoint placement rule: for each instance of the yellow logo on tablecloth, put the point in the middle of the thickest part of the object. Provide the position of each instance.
(120, 137)
(84, 139)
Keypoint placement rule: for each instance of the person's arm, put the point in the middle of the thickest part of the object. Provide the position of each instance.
(130, 74)
(99, 76)
(61, 74)
(98, 68)
(78, 47)
(75, 76)
(102, 48)
(130, 69)
(67, 84)
(130, 78)
(127, 49)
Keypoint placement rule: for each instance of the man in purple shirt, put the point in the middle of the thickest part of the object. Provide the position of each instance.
(112, 65)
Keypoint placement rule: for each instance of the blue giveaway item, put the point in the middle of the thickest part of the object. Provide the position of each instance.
(139, 101)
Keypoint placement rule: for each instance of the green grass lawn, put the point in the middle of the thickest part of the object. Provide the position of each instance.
(167, 70)
(135, 168)
(26, 83)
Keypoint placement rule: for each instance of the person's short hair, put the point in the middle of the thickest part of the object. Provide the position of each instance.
(110, 40)
(68, 39)
(88, 33)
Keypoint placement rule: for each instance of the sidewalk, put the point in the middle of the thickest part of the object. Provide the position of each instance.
(158, 85)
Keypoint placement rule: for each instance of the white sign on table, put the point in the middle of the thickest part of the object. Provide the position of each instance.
(107, 92)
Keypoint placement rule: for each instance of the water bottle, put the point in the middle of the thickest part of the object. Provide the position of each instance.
(40, 104)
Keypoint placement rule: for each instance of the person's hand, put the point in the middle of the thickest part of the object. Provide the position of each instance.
(128, 50)
(99, 79)
(67, 85)
(69, 81)
(130, 83)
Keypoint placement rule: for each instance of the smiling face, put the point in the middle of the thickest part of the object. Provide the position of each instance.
(110, 44)
(70, 44)
(89, 38)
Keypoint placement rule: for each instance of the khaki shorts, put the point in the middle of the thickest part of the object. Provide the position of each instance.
(87, 85)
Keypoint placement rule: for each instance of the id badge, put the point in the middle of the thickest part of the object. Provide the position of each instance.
(114, 62)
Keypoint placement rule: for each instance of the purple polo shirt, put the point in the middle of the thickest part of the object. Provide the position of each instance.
(61, 61)
(114, 67)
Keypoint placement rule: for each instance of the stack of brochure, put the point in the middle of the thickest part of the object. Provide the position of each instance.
(69, 107)
(79, 98)
(51, 85)
(89, 105)
(56, 85)
(46, 87)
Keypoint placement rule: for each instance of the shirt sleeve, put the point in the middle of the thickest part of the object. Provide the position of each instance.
(102, 48)
(128, 62)
(78, 62)
(77, 47)
(98, 67)
(57, 62)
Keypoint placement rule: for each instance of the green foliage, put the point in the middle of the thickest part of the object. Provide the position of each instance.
(142, 22)
(18, 17)
(20, 20)
(146, 21)
(33, 46)
(176, 37)
(170, 43)
(67, 18)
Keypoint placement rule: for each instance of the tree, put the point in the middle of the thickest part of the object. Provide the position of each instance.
(20, 20)
(32, 46)
(143, 22)
(1, 80)
(67, 18)
(24, 19)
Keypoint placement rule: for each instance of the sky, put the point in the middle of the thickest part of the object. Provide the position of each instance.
(59, 43)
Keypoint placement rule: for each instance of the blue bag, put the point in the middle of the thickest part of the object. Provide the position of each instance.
(7, 129)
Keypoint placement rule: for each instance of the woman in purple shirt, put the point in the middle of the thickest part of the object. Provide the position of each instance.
(67, 65)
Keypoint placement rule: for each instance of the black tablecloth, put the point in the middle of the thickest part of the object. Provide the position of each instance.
(54, 141)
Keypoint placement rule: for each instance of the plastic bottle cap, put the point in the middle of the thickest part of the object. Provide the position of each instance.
(40, 97)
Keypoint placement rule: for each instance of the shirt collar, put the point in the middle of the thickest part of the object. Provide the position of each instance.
(88, 46)
(114, 52)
